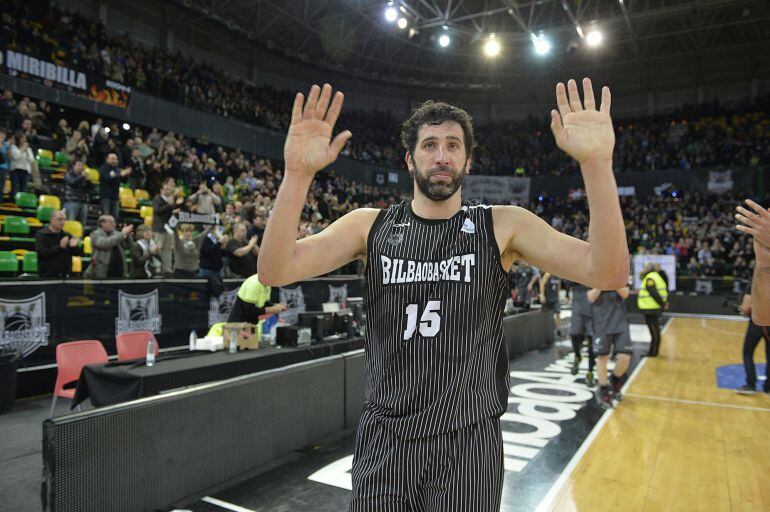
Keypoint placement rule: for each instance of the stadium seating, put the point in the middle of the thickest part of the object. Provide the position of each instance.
(25, 200)
(74, 228)
(51, 201)
(70, 359)
(16, 226)
(145, 211)
(29, 263)
(61, 158)
(92, 175)
(9, 264)
(141, 195)
(45, 153)
(87, 245)
(44, 213)
(133, 345)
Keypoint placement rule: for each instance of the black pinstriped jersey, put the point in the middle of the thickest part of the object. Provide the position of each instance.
(436, 358)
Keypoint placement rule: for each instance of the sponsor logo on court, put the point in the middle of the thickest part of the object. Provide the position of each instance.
(23, 325)
(138, 312)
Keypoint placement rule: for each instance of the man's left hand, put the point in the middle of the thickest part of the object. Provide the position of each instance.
(755, 221)
(582, 131)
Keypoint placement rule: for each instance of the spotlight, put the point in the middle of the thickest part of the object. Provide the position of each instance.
(492, 46)
(594, 38)
(126, 126)
(402, 23)
(391, 13)
(106, 129)
(444, 40)
(542, 45)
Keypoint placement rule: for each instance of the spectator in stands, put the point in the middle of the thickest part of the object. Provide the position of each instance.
(163, 206)
(76, 190)
(109, 185)
(205, 201)
(212, 252)
(107, 259)
(187, 253)
(5, 155)
(144, 254)
(21, 161)
(55, 248)
(77, 148)
(7, 110)
(62, 134)
(242, 254)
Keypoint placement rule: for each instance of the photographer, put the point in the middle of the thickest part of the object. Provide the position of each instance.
(205, 201)
(76, 190)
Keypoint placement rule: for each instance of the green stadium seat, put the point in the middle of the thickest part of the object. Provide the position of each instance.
(44, 213)
(16, 226)
(29, 263)
(8, 262)
(25, 200)
(43, 162)
(61, 158)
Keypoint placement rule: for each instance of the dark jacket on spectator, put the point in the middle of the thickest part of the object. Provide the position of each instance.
(211, 254)
(76, 187)
(161, 213)
(109, 182)
(52, 260)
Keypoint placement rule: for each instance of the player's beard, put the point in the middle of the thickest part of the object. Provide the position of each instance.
(442, 190)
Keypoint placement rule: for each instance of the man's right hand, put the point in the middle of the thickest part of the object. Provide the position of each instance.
(127, 229)
(309, 147)
(253, 241)
(276, 308)
(65, 240)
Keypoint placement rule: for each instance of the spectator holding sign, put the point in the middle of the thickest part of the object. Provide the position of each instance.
(163, 206)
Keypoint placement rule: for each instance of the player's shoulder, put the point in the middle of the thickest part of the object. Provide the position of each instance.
(513, 218)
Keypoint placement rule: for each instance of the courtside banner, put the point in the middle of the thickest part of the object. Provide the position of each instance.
(57, 75)
(496, 189)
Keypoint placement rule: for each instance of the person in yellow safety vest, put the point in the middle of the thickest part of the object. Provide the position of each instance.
(252, 301)
(652, 299)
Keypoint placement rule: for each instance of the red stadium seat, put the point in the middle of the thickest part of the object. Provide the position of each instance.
(133, 345)
(70, 359)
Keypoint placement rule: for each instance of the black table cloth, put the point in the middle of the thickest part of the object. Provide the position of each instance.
(115, 382)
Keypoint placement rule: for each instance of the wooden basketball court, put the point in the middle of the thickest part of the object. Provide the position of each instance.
(677, 442)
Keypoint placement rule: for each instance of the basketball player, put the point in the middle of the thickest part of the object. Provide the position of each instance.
(549, 298)
(581, 327)
(610, 318)
(436, 364)
(755, 221)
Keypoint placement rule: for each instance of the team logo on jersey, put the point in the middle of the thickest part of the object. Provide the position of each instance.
(396, 238)
(457, 268)
(23, 325)
(221, 307)
(138, 312)
(468, 227)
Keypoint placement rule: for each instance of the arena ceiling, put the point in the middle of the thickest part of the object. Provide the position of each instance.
(644, 36)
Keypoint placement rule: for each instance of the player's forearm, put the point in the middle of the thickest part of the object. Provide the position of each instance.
(277, 250)
(608, 257)
(760, 293)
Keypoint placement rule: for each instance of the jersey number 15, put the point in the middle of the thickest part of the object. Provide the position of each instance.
(430, 321)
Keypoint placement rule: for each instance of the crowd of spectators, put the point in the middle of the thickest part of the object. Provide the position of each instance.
(698, 229)
(180, 175)
(701, 136)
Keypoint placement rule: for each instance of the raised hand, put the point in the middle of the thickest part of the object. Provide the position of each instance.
(582, 131)
(309, 147)
(755, 221)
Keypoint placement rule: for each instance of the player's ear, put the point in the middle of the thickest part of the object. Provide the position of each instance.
(409, 163)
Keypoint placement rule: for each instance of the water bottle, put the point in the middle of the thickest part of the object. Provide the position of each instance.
(233, 341)
(193, 339)
(150, 361)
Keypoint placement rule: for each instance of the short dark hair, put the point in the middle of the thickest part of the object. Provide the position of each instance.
(435, 113)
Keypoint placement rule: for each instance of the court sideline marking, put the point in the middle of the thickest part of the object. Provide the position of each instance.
(224, 504)
(695, 402)
(716, 329)
(555, 489)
